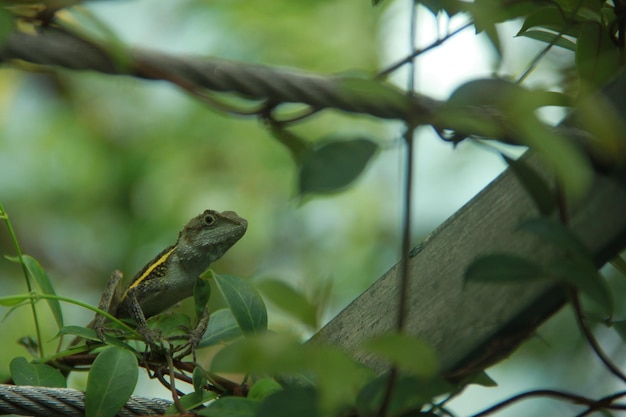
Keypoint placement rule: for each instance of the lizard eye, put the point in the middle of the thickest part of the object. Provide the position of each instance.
(209, 220)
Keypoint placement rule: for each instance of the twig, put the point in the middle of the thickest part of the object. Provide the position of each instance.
(535, 61)
(592, 340)
(604, 400)
(416, 52)
(175, 395)
(550, 394)
(406, 232)
(27, 277)
(406, 225)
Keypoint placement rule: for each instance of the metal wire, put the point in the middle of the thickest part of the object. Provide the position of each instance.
(64, 402)
(54, 47)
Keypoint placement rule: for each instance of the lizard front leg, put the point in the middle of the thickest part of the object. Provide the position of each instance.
(109, 302)
(152, 337)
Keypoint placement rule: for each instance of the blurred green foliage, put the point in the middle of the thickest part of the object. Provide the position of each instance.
(100, 172)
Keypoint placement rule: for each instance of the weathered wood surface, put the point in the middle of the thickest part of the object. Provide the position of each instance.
(457, 319)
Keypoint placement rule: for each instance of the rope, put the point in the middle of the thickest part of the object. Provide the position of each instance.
(63, 402)
(53, 47)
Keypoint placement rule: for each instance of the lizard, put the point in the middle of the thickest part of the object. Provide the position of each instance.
(171, 275)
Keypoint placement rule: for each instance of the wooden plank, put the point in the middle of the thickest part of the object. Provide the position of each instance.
(455, 318)
(459, 320)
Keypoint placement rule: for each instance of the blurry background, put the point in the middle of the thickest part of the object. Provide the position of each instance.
(101, 172)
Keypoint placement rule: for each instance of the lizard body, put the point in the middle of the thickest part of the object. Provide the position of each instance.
(170, 277)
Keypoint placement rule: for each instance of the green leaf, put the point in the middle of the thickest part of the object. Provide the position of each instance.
(459, 111)
(170, 323)
(263, 353)
(503, 268)
(111, 382)
(544, 17)
(620, 328)
(518, 124)
(492, 92)
(191, 401)
(597, 57)
(244, 301)
(470, 108)
(410, 395)
(334, 165)
(290, 301)
(7, 25)
(222, 328)
(83, 332)
(598, 116)
(199, 380)
(301, 402)
(487, 13)
(556, 233)
(583, 274)
(13, 300)
(619, 263)
(231, 407)
(40, 375)
(338, 378)
(449, 7)
(41, 277)
(549, 38)
(264, 387)
(571, 166)
(483, 380)
(201, 295)
(492, 35)
(337, 375)
(408, 353)
(90, 334)
(534, 184)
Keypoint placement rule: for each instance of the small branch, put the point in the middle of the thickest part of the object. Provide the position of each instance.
(416, 52)
(406, 225)
(606, 400)
(403, 289)
(175, 395)
(40, 341)
(406, 232)
(577, 399)
(592, 340)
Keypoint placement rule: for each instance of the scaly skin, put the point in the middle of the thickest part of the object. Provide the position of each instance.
(171, 275)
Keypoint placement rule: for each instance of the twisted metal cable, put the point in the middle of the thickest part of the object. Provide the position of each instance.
(63, 402)
(53, 47)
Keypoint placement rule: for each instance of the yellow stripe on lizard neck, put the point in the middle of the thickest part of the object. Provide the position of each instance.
(149, 270)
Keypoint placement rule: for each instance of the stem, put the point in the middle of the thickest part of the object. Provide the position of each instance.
(406, 233)
(175, 397)
(416, 52)
(4, 215)
(592, 340)
(606, 400)
(406, 226)
(551, 394)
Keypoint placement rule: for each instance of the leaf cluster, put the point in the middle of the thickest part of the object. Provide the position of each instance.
(286, 376)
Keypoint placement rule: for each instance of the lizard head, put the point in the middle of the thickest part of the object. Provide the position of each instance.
(209, 235)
